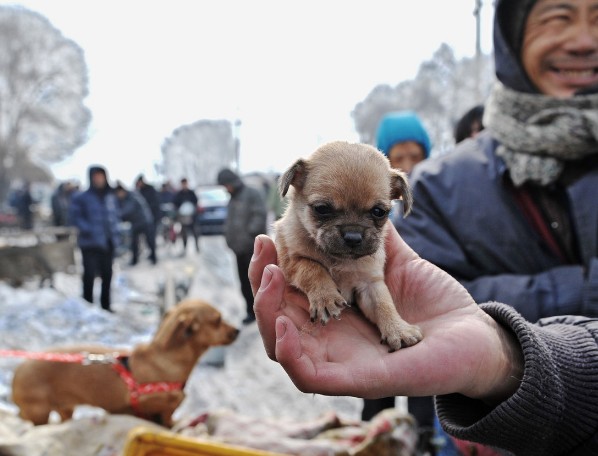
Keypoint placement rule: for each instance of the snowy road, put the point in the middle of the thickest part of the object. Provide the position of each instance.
(248, 382)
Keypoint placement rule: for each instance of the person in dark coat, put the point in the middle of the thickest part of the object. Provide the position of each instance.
(152, 198)
(23, 202)
(185, 202)
(61, 201)
(512, 213)
(94, 213)
(246, 218)
(134, 209)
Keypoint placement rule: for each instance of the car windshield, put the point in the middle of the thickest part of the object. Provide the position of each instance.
(213, 196)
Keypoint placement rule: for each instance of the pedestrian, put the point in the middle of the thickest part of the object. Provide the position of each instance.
(94, 212)
(510, 214)
(470, 124)
(61, 201)
(134, 209)
(276, 202)
(22, 201)
(246, 218)
(402, 137)
(185, 202)
(152, 198)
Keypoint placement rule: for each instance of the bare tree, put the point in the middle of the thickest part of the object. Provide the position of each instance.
(43, 82)
(198, 151)
(442, 91)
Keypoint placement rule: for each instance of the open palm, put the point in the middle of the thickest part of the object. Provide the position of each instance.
(463, 349)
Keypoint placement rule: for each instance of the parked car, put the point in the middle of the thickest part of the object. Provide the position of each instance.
(212, 208)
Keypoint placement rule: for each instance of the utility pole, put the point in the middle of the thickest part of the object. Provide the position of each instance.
(477, 12)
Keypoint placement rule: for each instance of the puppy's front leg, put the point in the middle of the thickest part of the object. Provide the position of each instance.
(376, 303)
(325, 299)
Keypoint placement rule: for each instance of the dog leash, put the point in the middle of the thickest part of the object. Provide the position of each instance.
(84, 358)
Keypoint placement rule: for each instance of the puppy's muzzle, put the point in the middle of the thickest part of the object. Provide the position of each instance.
(352, 238)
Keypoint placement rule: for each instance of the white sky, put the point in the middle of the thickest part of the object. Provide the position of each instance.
(290, 71)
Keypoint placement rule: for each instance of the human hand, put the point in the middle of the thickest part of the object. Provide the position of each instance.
(463, 351)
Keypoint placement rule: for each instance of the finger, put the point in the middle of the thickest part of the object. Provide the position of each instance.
(267, 306)
(264, 253)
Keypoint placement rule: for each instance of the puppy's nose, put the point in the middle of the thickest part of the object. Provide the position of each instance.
(352, 238)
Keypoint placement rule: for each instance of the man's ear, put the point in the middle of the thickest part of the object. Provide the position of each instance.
(400, 189)
(294, 176)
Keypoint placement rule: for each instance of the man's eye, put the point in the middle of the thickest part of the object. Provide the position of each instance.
(378, 212)
(322, 209)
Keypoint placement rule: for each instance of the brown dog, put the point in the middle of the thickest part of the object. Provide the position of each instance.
(330, 240)
(137, 383)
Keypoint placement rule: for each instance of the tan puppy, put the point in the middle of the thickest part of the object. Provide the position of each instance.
(185, 333)
(330, 240)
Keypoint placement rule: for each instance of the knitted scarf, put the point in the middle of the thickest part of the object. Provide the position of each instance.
(538, 134)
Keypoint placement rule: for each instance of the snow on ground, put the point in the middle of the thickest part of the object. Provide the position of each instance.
(248, 382)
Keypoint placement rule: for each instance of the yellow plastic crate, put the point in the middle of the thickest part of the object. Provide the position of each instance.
(143, 441)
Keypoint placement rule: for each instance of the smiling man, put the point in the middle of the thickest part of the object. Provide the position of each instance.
(512, 214)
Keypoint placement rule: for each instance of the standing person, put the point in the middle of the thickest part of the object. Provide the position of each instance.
(152, 198)
(470, 124)
(61, 201)
(246, 218)
(402, 137)
(134, 209)
(23, 203)
(512, 214)
(94, 213)
(185, 202)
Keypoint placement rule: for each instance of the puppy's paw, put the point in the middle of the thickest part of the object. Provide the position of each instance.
(404, 335)
(323, 305)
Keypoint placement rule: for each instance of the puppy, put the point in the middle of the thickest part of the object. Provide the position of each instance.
(330, 240)
(134, 383)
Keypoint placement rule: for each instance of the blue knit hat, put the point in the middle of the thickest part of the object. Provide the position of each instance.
(402, 126)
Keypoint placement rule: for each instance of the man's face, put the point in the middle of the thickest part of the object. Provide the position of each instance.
(98, 180)
(560, 46)
(405, 155)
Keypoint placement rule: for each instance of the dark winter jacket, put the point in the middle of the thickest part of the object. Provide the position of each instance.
(467, 222)
(246, 218)
(152, 198)
(95, 214)
(134, 209)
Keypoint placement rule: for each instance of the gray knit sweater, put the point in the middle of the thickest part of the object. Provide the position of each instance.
(555, 410)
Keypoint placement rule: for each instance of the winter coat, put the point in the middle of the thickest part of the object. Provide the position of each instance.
(134, 209)
(246, 218)
(152, 198)
(465, 221)
(95, 214)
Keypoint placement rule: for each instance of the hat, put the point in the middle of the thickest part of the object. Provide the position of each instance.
(401, 126)
(228, 177)
(511, 16)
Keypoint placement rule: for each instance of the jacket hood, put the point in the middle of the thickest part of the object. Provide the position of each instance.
(229, 177)
(509, 24)
(97, 169)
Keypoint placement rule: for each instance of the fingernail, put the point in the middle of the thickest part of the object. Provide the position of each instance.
(257, 248)
(266, 277)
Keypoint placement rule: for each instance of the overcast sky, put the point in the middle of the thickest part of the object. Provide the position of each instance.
(291, 71)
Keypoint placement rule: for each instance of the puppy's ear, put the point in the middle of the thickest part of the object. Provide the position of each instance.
(400, 189)
(294, 176)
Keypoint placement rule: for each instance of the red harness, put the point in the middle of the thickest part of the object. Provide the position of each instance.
(118, 362)
(137, 390)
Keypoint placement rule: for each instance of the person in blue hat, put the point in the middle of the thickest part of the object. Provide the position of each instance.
(402, 137)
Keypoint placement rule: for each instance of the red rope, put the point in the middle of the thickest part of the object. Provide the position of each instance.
(45, 356)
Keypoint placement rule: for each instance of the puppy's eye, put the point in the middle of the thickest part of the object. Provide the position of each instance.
(322, 209)
(378, 212)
